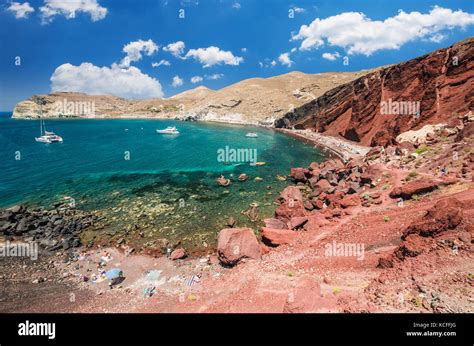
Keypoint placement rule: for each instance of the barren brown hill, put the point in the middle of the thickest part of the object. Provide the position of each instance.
(193, 95)
(75, 104)
(441, 83)
(251, 101)
(263, 100)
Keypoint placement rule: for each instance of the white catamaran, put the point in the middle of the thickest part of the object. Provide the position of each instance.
(47, 136)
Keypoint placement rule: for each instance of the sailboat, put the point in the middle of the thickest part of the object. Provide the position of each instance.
(47, 136)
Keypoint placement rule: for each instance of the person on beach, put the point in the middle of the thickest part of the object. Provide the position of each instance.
(106, 257)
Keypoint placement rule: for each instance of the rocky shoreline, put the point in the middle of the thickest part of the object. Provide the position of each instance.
(53, 229)
(410, 204)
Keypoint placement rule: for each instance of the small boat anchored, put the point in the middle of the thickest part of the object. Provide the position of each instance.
(47, 136)
(251, 135)
(170, 130)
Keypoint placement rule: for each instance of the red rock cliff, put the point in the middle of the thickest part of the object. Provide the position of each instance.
(440, 83)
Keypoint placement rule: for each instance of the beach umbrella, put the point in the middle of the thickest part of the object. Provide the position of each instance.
(114, 273)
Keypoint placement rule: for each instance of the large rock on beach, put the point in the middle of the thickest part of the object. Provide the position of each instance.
(234, 244)
(322, 186)
(298, 174)
(291, 193)
(298, 222)
(276, 237)
(274, 223)
(288, 210)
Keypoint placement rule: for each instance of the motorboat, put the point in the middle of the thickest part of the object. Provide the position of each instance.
(170, 130)
(251, 135)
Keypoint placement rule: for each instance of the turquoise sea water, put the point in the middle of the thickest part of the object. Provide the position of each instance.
(167, 185)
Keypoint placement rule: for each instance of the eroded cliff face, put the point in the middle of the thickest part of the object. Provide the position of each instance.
(374, 109)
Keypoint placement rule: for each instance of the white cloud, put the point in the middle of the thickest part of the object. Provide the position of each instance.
(214, 76)
(284, 58)
(299, 10)
(20, 10)
(124, 82)
(177, 82)
(293, 50)
(213, 56)
(244, 50)
(162, 62)
(176, 48)
(69, 8)
(358, 34)
(196, 79)
(267, 63)
(135, 49)
(331, 56)
(236, 5)
(437, 38)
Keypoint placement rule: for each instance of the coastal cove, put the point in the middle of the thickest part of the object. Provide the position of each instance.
(146, 187)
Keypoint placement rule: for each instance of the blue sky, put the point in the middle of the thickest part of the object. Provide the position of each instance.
(121, 39)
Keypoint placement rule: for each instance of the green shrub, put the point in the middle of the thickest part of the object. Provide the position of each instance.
(411, 176)
(422, 149)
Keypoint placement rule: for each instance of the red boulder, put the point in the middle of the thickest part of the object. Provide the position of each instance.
(298, 174)
(350, 201)
(275, 237)
(297, 222)
(444, 215)
(178, 254)
(291, 193)
(414, 188)
(234, 244)
(274, 223)
(322, 186)
(288, 210)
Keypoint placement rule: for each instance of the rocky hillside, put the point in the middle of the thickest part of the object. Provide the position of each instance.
(251, 101)
(261, 100)
(72, 104)
(377, 107)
